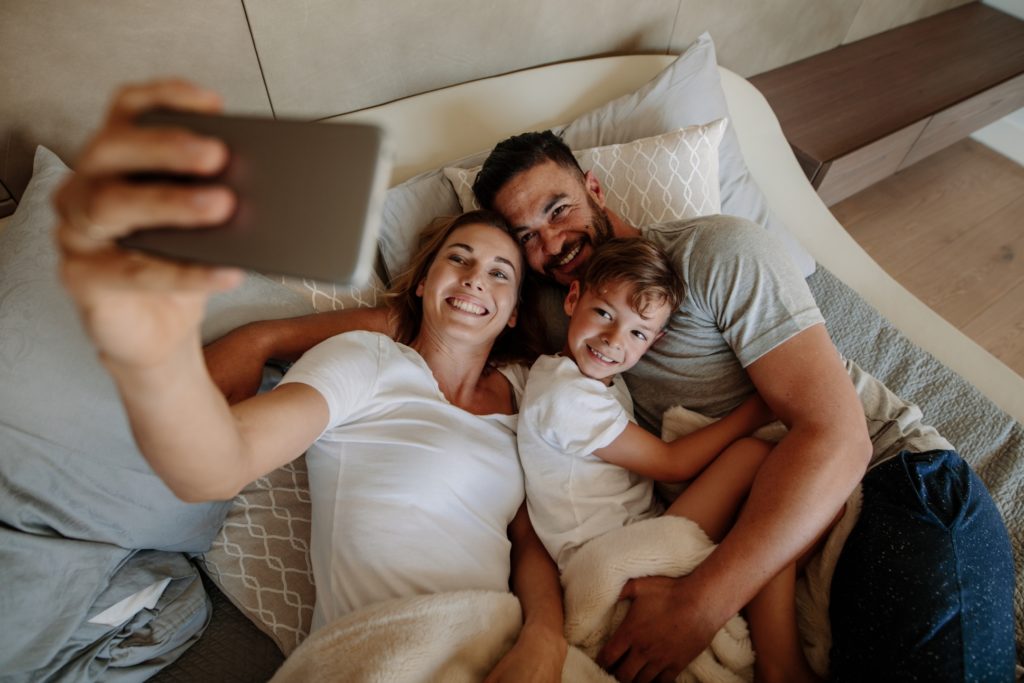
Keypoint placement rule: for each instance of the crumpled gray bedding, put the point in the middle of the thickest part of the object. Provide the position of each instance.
(55, 587)
(986, 437)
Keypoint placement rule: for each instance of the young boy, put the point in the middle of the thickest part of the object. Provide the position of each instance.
(589, 467)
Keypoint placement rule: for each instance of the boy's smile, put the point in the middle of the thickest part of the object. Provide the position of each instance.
(606, 335)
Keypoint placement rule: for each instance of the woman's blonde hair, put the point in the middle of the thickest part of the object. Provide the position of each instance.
(407, 306)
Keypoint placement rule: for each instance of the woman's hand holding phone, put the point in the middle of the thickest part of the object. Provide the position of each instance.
(139, 309)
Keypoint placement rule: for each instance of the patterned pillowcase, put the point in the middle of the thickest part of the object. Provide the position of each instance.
(331, 297)
(652, 180)
(260, 559)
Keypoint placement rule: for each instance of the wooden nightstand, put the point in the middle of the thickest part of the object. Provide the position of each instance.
(859, 113)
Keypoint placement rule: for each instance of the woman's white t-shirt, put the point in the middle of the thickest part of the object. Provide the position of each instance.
(410, 494)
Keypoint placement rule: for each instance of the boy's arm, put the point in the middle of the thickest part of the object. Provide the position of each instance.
(645, 454)
(540, 650)
(236, 360)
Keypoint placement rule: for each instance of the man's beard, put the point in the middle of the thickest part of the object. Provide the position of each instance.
(602, 222)
(600, 232)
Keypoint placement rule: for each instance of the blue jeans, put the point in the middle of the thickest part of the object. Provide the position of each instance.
(923, 590)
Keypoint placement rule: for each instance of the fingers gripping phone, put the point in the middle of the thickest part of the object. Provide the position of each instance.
(309, 197)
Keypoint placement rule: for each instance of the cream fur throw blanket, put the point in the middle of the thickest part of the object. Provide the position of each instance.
(460, 636)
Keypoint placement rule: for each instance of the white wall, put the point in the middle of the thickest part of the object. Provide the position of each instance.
(1006, 135)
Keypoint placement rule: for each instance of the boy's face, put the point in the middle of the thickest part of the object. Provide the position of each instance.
(606, 336)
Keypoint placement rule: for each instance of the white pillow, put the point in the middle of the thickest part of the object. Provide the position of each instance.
(652, 180)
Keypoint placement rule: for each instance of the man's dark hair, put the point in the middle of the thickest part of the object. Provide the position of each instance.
(640, 265)
(516, 154)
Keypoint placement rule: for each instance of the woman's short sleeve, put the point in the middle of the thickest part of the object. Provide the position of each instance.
(344, 370)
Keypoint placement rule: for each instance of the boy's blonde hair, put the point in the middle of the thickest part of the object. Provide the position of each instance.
(640, 265)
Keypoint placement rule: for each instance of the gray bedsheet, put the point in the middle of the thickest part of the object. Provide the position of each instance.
(54, 586)
(990, 440)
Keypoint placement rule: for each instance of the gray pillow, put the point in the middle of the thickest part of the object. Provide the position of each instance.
(410, 206)
(688, 92)
(69, 465)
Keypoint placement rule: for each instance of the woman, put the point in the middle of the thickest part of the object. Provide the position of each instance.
(414, 476)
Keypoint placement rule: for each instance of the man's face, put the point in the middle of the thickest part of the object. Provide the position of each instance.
(557, 217)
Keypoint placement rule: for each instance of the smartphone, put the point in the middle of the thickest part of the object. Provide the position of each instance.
(309, 197)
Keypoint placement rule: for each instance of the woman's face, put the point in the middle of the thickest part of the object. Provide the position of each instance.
(472, 287)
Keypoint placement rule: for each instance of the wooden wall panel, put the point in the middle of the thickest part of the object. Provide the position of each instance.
(753, 36)
(60, 61)
(333, 57)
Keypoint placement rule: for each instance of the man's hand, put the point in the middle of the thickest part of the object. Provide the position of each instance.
(236, 360)
(664, 630)
(235, 363)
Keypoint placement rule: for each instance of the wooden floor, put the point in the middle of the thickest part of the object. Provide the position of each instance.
(951, 230)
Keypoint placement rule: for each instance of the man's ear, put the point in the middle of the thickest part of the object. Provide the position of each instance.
(572, 298)
(594, 187)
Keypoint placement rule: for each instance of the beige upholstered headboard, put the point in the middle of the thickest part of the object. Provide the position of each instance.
(59, 60)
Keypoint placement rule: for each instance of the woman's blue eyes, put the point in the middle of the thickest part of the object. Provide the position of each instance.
(456, 258)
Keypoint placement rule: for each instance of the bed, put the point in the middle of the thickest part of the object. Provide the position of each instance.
(257, 570)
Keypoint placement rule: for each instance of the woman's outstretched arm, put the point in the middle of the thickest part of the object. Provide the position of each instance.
(143, 313)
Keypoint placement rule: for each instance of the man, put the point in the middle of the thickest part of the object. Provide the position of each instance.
(924, 586)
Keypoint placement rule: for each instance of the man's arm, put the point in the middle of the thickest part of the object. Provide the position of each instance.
(797, 491)
(539, 652)
(236, 360)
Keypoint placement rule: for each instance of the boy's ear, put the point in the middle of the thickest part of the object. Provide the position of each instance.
(661, 333)
(572, 298)
(594, 187)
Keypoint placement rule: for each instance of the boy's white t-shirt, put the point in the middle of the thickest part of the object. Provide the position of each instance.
(410, 494)
(573, 495)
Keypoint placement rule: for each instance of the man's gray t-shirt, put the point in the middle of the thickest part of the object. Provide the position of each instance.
(744, 297)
